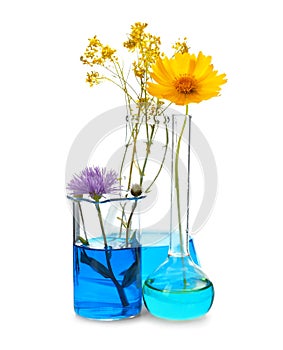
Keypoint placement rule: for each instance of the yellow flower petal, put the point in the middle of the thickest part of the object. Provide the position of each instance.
(185, 79)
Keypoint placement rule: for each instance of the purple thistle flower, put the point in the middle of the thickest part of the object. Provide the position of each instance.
(94, 181)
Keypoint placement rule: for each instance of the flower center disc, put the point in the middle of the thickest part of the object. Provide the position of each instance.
(185, 85)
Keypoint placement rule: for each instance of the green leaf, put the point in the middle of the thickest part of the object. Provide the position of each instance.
(95, 265)
(133, 240)
(131, 275)
(83, 241)
(122, 221)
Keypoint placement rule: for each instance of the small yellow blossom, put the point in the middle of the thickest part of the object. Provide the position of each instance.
(142, 100)
(94, 42)
(107, 53)
(181, 46)
(93, 78)
(136, 36)
(147, 47)
(97, 53)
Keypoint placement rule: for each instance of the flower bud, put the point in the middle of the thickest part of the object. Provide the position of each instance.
(136, 190)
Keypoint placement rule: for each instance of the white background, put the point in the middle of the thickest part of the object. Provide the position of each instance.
(45, 103)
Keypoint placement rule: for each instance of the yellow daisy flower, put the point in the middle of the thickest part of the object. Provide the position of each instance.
(185, 78)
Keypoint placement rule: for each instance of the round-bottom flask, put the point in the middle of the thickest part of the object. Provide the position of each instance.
(178, 290)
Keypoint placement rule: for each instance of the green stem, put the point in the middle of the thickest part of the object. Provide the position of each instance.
(101, 225)
(123, 159)
(119, 288)
(134, 136)
(187, 110)
(121, 87)
(123, 81)
(133, 157)
(162, 162)
(129, 223)
(149, 143)
(122, 219)
(177, 185)
(81, 214)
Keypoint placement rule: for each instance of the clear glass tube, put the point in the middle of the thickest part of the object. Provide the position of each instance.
(180, 186)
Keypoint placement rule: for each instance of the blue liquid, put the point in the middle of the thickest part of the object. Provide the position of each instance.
(178, 305)
(155, 255)
(97, 296)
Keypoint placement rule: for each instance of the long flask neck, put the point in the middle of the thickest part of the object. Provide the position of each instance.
(180, 185)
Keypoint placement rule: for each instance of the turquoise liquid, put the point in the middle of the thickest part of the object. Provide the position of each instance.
(180, 305)
(96, 296)
(155, 255)
(178, 290)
